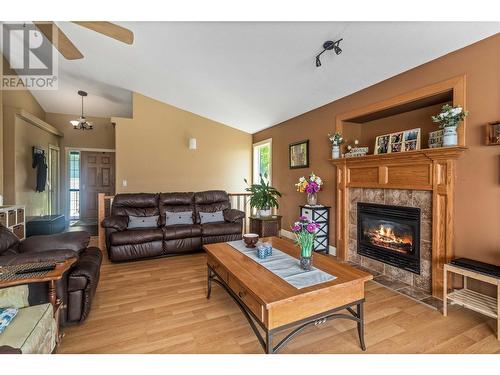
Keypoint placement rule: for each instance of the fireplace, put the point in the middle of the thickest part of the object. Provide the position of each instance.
(390, 234)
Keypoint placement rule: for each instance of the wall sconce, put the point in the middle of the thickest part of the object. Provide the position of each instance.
(192, 144)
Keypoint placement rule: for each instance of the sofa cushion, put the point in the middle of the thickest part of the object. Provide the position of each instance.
(14, 296)
(210, 201)
(121, 253)
(136, 236)
(33, 331)
(211, 217)
(173, 232)
(140, 204)
(142, 222)
(176, 218)
(219, 229)
(8, 240)
(175, 202)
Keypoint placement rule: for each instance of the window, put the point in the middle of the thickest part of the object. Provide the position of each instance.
(74, 184)
(262, 159)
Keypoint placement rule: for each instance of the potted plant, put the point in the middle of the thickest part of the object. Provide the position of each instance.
(305, 233)
(263, 197)
(449, 118)
(311, 186)
(336, 140)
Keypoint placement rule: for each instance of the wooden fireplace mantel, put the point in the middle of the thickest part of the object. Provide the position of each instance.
(429, 169)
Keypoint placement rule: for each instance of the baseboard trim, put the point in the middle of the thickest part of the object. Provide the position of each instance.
(288, 234)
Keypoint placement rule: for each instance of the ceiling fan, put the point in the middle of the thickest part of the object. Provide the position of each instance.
(64, 45)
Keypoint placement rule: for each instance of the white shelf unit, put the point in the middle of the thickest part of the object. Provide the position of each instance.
(14, 218)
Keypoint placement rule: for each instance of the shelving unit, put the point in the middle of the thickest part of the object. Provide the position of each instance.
(470, 299)
(14, 218)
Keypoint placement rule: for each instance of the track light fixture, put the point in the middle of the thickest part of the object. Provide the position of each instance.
(328, 46)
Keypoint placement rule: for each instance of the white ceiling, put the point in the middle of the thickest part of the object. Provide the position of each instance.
(247, 75)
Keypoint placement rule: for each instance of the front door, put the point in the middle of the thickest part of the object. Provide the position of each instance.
(97, 176)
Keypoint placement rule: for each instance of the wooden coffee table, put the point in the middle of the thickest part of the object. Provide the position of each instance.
(272, 304)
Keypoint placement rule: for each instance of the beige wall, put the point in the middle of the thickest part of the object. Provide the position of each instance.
(18, 138)
(152, 151)
(102, 136)
(477, 213)
(27, 136)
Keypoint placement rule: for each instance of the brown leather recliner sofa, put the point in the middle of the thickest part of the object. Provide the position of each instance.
(161, 239)
(77, 287)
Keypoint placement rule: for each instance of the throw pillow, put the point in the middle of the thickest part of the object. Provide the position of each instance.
(6, 316)
(175, 218)
(211, 217)
(142, 222)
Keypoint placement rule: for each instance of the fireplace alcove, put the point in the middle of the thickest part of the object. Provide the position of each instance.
(430, 171)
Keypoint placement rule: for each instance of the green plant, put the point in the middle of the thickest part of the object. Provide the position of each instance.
(450, 116)
(263, 196)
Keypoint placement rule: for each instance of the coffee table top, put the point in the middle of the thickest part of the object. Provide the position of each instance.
(272, 289)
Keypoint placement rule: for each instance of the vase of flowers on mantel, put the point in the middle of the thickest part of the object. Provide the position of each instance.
(305, 234)
(336, 140)
(310, 185)
(448, 119)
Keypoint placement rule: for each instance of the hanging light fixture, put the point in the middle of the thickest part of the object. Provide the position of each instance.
(82, 123)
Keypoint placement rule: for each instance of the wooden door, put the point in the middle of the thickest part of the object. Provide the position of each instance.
(97, 176)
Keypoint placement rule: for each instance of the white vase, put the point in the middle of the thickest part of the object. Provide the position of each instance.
(450, 136)
(265, 213)
(335, 152)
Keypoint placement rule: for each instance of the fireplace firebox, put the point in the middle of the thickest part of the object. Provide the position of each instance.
(390, 234)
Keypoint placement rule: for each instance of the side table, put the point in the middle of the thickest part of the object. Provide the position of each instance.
(266, 226)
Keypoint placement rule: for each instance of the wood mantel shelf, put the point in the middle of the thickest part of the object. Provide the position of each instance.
(428, 169)
(402, 170)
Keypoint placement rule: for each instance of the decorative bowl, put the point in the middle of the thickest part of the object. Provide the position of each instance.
(250, 239)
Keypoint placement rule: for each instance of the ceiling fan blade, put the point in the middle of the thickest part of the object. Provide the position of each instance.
(109, 29)
(62, 42)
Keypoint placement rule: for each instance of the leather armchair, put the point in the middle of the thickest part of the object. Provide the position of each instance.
(77, 287)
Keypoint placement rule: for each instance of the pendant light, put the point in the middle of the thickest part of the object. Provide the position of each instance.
(82, 123)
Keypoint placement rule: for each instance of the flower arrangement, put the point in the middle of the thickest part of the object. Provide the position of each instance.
(336, 139)
(450, 116)
(309, 185)
(305, 233)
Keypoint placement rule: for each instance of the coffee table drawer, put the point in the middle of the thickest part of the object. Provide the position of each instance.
(218, 269)
(248, 299)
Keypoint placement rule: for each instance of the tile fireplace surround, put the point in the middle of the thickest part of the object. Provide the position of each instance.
(398, 197)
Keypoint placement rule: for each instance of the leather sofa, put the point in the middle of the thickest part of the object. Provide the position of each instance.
(124, 244)
(77, 288)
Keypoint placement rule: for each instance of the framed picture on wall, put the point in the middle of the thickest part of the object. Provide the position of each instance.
(298, 154)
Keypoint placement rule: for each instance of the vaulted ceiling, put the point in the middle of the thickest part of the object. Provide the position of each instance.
(248, 75)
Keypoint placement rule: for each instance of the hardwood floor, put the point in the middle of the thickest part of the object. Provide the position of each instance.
(159, 306)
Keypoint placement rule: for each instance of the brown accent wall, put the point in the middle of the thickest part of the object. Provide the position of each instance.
(152, 151)
(477, 213)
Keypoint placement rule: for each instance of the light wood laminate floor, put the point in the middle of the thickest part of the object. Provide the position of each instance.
(159, 306)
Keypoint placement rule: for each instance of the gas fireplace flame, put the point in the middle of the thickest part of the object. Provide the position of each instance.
(385, 236)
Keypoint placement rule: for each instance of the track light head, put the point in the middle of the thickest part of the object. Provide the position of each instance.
(336, 47)
(328, 46)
